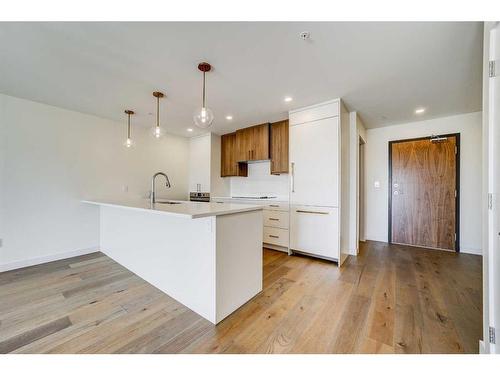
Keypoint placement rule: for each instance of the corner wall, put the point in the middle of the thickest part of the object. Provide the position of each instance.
(377, 169)
(51, 159)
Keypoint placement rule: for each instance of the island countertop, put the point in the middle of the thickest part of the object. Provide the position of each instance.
(187, 209)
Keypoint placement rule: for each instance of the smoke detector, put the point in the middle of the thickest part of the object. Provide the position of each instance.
(305, 35)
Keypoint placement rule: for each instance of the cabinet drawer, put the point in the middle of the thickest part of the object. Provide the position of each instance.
(315, 230)
(315, 113)
(276, 236)
(276, 219)
(277, 206)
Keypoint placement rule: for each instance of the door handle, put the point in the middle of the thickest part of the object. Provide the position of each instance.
(293, 176)
(312, 212)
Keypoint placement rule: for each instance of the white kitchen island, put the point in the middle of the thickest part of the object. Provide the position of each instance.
(207, 256)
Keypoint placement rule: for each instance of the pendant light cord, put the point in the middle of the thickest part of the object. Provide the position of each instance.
(157, 111)
(128, 127)
(203, 89)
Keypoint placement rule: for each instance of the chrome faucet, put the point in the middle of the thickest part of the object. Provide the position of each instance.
(152, 197)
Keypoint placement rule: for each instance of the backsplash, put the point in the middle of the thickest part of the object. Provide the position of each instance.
(260, 182)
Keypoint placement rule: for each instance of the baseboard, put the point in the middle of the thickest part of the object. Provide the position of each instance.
(45, 259)
(482, 347)
(463, 250)
(471, 251)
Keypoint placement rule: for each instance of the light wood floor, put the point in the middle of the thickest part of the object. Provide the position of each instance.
(390, 299)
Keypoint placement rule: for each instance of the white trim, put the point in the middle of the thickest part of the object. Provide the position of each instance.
(45, 259)
(331, 101)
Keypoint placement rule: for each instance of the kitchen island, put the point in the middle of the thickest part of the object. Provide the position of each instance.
(207, 256)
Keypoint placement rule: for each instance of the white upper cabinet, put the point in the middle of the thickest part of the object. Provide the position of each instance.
(314, 113)
(314, 163)
(199, 163)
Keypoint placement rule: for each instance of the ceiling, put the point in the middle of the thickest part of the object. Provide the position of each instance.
(382, 70)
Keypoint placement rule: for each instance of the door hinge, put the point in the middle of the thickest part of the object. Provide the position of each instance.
(492, 335)
(455, 193)
(491, 68)
(456, 150)
(490, 201)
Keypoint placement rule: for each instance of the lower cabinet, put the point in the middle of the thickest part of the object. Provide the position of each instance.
(315, 230)
(276, 236)
(276, 223)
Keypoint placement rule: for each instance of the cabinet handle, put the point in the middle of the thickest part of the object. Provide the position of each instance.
(312, 212)
(293, 177)
(274, 219)
(274, 236)
(274, 205)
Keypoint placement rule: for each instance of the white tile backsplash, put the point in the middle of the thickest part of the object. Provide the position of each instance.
(260, 182)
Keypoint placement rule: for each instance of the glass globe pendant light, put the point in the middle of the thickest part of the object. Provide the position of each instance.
(157, 133)
(203, 118)
(128, 142)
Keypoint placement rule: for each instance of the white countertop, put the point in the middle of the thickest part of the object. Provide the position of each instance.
(192, 210)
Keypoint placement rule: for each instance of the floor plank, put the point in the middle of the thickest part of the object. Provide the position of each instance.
(389, 299)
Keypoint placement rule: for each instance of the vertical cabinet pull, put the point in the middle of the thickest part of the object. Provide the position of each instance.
(293, 176)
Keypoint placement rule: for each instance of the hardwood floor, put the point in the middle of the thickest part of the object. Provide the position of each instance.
(389, 299)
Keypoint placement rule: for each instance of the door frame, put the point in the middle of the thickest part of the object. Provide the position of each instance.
(457, 183)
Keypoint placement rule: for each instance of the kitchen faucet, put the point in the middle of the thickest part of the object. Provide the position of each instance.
(152, 197)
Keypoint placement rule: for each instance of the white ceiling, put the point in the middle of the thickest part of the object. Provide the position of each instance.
(382, 70)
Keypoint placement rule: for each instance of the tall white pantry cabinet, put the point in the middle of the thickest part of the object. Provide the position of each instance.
(319, 164)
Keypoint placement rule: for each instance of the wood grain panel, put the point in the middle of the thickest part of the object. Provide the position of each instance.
(279, 147)
(229, 156)
(252, 143)
(423, 183)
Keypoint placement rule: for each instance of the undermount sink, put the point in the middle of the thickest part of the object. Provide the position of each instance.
(168, 202)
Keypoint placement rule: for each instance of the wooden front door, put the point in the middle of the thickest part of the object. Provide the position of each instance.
(423, 203)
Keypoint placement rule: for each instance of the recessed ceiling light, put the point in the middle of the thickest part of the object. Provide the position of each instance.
(288, 99)
(419, 111)
(189, 129)
(229, 117)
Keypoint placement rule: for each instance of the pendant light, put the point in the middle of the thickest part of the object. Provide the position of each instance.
(156, 129)
(203, 118)
(128, 143)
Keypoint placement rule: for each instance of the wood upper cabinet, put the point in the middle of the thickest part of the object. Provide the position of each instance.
(279, 147)
(229, 163)
(253, 143)
(260, 142)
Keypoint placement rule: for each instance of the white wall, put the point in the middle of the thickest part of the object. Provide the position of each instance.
(52, 158)
(376, 169)
(260, 181)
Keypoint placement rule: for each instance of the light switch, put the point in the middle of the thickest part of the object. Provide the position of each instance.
(376, 184)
